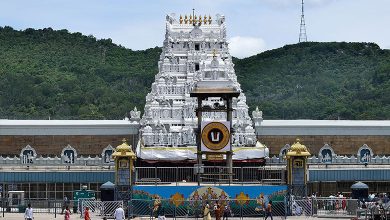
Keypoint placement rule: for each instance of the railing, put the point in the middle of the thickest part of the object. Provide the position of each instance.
(97, 161)
(47, 168)
(99, 209)
(282, 206)
(337, 160)
(335, 207)
(210, 174)
(302, 207)
(196, 209)
(373, 210)
(41, 205)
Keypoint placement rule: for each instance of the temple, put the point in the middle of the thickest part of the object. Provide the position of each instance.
(52, 158)
(194, 48)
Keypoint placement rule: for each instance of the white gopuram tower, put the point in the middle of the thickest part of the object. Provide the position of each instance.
(195, 48)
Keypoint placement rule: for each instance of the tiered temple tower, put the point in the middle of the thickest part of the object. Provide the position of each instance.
(195, 47)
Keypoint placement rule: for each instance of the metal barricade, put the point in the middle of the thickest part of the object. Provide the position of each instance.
(302, 207)
(189, 209)
(39, 205)
(99, 208)
(335, 207)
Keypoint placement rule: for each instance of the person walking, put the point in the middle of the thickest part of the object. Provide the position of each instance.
(86, 214)
(67, 213)
(375, 211)
(206, 212)
(64, 204)
(268, 211)
(226, 212)
(29, 214)
(119, 213)
(218, 212)
(160, 212)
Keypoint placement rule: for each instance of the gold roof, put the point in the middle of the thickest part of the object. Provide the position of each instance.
(124, 150)
(298, 149)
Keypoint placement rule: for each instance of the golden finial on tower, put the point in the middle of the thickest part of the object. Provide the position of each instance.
(190, 19)
(205, 19)
(181, 19)
(195, 19)
(214, 53)
(210, 19)
(200, 19)
(185, 19)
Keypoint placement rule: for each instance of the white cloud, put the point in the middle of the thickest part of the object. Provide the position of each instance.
(242, 47)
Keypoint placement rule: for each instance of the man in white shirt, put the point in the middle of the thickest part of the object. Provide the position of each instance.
(28, 214)
(119, 213)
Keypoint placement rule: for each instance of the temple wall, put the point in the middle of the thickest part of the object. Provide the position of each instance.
(53, 144)
(94, 144)
(342, 144)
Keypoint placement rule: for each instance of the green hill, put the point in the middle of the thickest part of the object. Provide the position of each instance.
(319, 81)
(71, 76)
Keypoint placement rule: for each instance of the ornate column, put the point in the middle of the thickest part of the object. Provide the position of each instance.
(297, 169)
(124, 158)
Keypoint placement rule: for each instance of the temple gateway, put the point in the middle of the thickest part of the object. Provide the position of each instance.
(195, 48)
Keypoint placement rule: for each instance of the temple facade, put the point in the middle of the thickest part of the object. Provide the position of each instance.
(194, 48)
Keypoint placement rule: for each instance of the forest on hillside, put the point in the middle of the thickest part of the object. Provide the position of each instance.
(54, 73)
(319, 81)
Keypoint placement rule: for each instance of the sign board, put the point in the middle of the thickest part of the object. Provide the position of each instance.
(215, 136)
(12, 187)
(214, 157)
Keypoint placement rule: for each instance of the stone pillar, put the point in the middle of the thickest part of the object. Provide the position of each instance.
(229, 154)
(198, 137)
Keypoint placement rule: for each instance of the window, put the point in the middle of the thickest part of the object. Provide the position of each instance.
(196, 66)
(196, 46)
(27, 155)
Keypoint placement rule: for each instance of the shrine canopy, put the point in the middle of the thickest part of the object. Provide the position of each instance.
(359, 191)
(359, 185)
(107, 185)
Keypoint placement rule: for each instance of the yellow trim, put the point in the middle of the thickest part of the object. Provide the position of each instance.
(289, 171)
(298, 149)
(124, 155)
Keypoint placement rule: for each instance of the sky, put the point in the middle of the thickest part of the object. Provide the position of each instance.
(253, 26)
